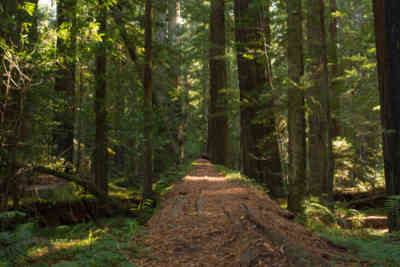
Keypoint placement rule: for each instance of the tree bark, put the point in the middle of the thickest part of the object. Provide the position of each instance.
(148, 103)
(387, 30)
(217, 111)
(334, 84)
(100, 104)
(65, 79)
(296, 121)
(320, 141)
(175, 74)
(259, 146)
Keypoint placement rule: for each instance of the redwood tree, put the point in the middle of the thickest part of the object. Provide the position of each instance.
(100, 103)
(148, 102)
(296, 121)
(387, 29)
(259, 145)
(217, 112)
(320, 141)
(65, 78)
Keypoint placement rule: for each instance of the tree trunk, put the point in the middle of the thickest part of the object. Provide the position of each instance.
(320, 141)
(100, 105)
(148, 103)
(259, 145)
(296, 121)
(334, 74)
(217, 114)
(175, 73)
(387, 30)
(65, 79)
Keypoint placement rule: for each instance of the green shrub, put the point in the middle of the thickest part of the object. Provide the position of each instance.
(14, 245)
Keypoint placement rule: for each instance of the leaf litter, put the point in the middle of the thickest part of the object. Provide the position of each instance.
(205, 220)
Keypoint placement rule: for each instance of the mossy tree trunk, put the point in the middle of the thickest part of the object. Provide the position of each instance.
(296, 121)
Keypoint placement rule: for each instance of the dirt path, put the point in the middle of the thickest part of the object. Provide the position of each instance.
(208, 221)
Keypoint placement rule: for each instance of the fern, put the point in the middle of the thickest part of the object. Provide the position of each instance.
(314, 207)
(13, 245)
(392, 204)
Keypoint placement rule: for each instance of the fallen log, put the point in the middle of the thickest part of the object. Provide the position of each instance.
(366, 200)
(91, 187)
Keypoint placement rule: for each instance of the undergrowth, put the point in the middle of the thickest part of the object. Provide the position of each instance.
(14, 244)
(372, 247)
(104, 242)
(108, 242)
(236, 177)
(170, 177)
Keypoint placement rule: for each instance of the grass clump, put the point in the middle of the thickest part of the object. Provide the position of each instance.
(108, 242)
(237, 177)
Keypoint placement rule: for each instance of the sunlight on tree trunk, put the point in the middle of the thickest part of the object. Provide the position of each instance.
(259, 145)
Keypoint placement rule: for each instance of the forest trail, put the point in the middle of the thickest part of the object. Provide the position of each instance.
(207, 220)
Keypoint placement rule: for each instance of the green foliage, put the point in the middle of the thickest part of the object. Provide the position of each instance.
(314, 208)
(14, 245)
(170, 177)
(370, 247)
(109, 242)
(392, 206)
(236, 177)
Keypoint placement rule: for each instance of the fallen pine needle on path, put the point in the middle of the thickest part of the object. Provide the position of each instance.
(207, 220)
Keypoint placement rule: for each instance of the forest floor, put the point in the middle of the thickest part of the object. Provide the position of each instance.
(209, 220)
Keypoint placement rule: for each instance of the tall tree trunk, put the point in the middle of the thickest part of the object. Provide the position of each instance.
(259, 145)
(217, 112)
(148, 103)
(100, 104)
(334, 74)
(387, 30)
(321, 180)
(296, 121)
(65, 79)
(175, 73)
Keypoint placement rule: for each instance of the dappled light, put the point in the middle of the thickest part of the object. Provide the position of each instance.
(151, 133)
